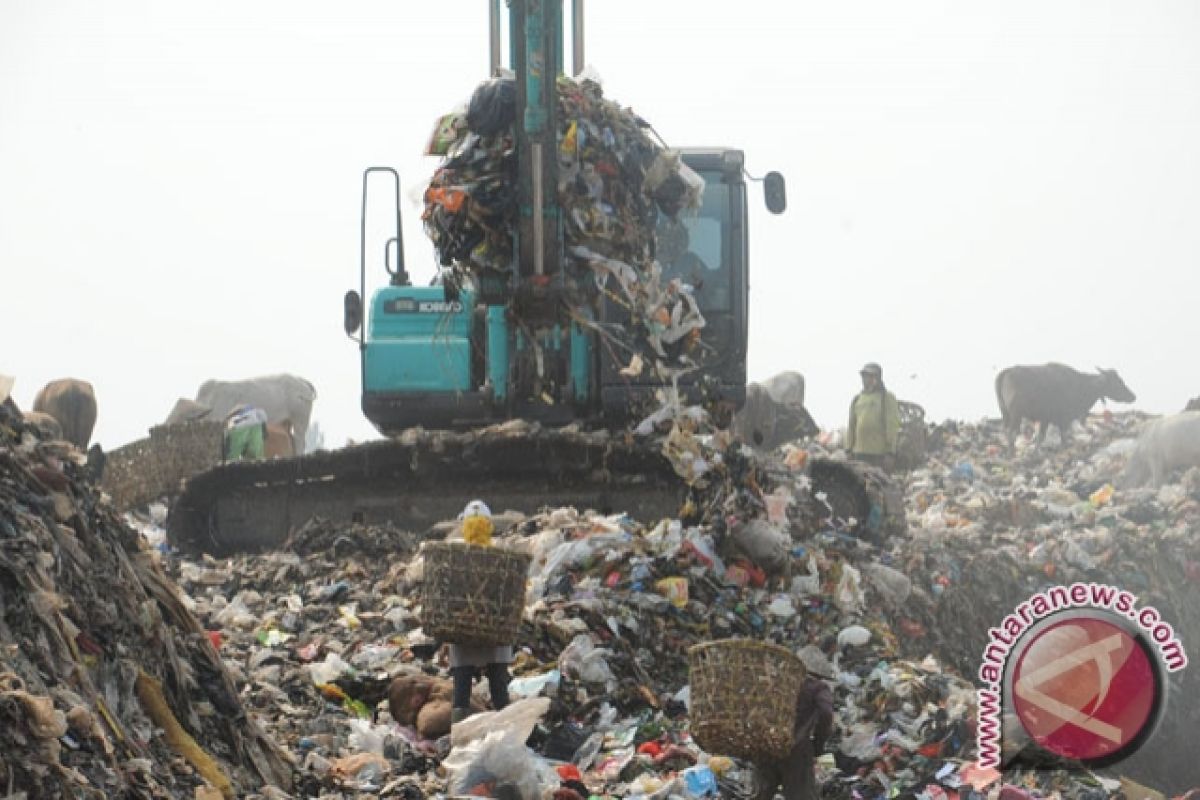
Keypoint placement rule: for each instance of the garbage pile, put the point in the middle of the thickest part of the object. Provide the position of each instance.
(612, 178)
(613, 606)
(315, 635)
(613, 182)
(108, 684)
(990, 528)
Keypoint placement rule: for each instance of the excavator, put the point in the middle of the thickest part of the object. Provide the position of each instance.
(492, 389)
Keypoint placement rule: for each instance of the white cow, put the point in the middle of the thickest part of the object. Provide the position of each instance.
(786, 387)
(286, 399)
(1165, 444)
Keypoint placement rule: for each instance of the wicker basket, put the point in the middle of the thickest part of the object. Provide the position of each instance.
(473, 595)
(744, 696)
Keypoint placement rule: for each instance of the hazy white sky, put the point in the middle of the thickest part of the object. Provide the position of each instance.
(971, 185)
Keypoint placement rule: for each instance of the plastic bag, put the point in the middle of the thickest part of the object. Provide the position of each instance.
(853, 636)
(534, 685)
(446, 132)
(493, 107)
(673, 184)
(674, 589)
(330, 669)
(782, 606)
(702, 545)
(764, 544)
(490, 747)
(365, 737)
(778, 503)
(236, 615)
(893, 586)
(859, 742)
(585, 756)
(700, 782)
(584, 661)
(810, 584)
(849, 596)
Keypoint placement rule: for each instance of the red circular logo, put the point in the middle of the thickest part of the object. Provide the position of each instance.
(1085, 688)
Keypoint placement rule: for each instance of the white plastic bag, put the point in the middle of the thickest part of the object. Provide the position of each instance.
(236, 615)
(853, 636)
(491, 747)
(810, 584)
(534, 685)
(365, 737)
(849, 595)
(582, 660)
(782, 607)
(328, 670)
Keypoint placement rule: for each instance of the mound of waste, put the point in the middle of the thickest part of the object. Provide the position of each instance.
(896, 624)
(109, 686)
(989, 529)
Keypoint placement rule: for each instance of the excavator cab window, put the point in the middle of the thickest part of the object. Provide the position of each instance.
(695, 248)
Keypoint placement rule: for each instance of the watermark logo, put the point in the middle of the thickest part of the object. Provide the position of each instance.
(1076, 668)
(1086, 688)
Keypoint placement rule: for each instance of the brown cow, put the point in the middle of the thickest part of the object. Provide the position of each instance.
(73, 403)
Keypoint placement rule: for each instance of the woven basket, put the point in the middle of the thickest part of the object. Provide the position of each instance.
(473, 595)
(744, 696)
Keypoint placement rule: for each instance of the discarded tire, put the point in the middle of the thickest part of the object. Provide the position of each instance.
(744, 697)
(473, 595)
(857, 490)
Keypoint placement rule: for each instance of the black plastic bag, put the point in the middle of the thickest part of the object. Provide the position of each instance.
(493, 107)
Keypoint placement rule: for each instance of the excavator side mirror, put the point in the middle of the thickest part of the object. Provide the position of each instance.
(775, 192)
(352, 312)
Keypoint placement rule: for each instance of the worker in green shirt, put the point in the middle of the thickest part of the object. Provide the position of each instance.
(874, 428)
(245, 433)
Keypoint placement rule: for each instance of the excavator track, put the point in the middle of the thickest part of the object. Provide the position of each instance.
(418, 479)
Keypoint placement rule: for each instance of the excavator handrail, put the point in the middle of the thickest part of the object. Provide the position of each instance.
(400, 275)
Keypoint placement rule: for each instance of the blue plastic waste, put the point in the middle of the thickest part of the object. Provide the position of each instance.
(700, 781)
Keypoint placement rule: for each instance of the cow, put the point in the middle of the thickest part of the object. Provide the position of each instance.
(1165, 444)
(73, 403)
(786, 387)
(1053, 394)
(46, 425)
(767, 423)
